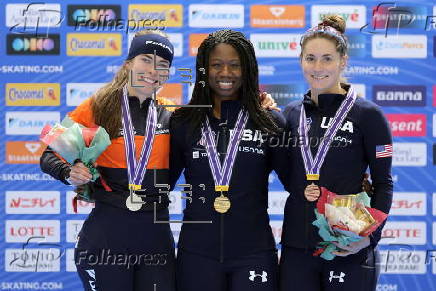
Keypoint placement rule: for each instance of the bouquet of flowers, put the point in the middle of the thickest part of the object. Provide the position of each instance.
(72, 142)
(344, 219)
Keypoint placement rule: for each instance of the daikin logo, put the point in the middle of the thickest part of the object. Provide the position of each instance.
(29, 123)
(216, 15)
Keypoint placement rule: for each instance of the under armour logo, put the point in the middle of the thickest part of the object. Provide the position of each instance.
(340, 277)
(253, 275)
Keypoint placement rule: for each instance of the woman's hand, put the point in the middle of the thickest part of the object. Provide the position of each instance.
(268, 102)
(79, 174)
(352, 248)
(367, 186)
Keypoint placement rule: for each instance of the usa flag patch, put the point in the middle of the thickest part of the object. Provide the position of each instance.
(383, 151)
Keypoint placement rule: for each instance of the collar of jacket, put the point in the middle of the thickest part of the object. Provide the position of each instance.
(134, 102)
(325, 101)
(229, 112)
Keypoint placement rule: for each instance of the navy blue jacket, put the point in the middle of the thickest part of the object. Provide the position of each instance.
(353, 150)
(245, 228)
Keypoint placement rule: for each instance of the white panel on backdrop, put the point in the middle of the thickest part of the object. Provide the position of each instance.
(70, 265)
(265, 70)
(32, 230)
(175, 228)
(175, 197)
(411, 154)
(399, 46)
(276, 227)
(216, 15)
(360, 89)
(404, 232)
(177, 41)
(434, 123)
(434, 233)
(83, 207)
(434, 14)
(32, 202)
(32, 260)
(33, 14)
(434, 267)
(275, 45)
(388, 287)
(405, 261)
(434, 204)
(409, 203)
(79, 92)
(29, 122)
(276, 202)
(73, 229)
(354, 15)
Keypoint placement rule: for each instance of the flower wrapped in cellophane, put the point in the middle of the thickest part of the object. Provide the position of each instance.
(73, 141)
(344, 219)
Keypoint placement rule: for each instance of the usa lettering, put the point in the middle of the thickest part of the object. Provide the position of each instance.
(347, 126)
(249, 135)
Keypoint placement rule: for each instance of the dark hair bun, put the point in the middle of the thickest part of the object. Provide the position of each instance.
(335, 21)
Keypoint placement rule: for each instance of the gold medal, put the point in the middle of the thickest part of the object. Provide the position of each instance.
(134, 202)
(222, 204)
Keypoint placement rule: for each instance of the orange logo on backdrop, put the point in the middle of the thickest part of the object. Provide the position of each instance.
(24, 152)
(277, 16)
(173, 92)
(195, 40)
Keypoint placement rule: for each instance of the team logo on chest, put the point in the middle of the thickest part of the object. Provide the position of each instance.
(247, 135)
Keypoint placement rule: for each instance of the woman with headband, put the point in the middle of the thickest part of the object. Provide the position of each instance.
(360, 130)
(120, 247)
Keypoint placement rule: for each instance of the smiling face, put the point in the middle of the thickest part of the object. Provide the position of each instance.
(146, 76)
(322, 65)
(225, 72)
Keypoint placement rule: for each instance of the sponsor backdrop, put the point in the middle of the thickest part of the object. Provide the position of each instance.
(55, 55)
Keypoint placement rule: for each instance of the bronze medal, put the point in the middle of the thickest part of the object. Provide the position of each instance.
(312, 188)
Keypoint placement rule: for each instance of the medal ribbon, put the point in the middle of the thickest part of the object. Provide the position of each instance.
(222, 175)
(313, 165)
(136, 168)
